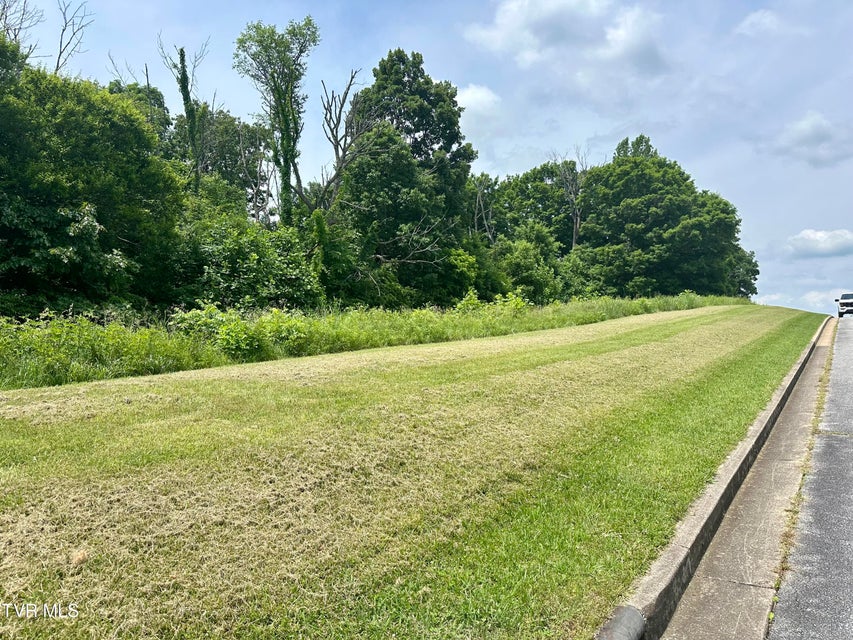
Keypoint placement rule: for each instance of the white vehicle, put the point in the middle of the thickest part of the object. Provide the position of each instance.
(845, 304)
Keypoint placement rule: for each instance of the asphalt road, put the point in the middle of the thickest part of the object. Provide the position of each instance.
(816, 596)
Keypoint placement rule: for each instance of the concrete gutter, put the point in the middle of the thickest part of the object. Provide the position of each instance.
(647, 613)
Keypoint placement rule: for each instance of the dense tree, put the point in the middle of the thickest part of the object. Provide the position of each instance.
(92, 206)
(235, 261)
(404, 194)
(530, 260)
(235, 150)
(81, 182)
(639, 147)
(391, 206)
(48, 253)
(649, 231)
(393, 211)
(248, 265)
(427, 116)
(490, 278)
(742, 270)
(424, 112)
(276, 63)
(150, 102)
(539, 195)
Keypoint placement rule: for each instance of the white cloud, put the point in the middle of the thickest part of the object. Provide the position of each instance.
(478, 99)
(766, 22)
(530, 30)
(819, 300)
(596, 53)
(632, 39)
(815, 140)
(774, 299)
(812, 243)
(758, 22)
(484, 117)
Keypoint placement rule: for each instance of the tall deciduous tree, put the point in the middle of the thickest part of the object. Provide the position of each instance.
(407, 199)
(83, 188)
(150, 102)
(426, 114)
(391, 206)
(639, 147)
(235, 150)
(276, 63)
(184, 75)
(649, 231)
(539, 195)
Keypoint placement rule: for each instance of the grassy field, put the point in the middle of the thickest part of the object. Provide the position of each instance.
(507, 487)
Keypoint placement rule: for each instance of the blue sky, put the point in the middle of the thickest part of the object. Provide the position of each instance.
(751, 98)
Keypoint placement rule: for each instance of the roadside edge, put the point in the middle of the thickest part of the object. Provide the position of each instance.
(647, 613)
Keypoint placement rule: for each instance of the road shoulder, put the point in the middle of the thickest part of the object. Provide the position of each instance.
(732, 592)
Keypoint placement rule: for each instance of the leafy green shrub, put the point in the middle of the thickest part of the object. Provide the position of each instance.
(512, 302)
(203, 323)
(285, 332)
(54, 350)
(240, 340)
(470, 303)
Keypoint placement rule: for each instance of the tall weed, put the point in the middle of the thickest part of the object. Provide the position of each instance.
(55, 349)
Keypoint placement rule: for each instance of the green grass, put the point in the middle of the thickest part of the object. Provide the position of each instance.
(509, 487)
(60, 350)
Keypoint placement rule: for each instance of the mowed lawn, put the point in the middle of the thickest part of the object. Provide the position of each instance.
(508, 487)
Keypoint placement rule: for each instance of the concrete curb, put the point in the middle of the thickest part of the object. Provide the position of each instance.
(647, 613)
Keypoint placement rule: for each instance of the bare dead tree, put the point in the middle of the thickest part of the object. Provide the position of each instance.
(16, 18)
(258, 172)
(419, 244)
(116, 71)
(344, 124)
(483, 210)
(74, 24)
(582, 158)
(570, 176)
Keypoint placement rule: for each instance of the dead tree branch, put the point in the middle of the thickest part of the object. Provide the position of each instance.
(17, 17)
(74, 24)
(344, 124)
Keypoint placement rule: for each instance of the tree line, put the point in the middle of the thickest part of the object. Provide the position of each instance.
(106, 196)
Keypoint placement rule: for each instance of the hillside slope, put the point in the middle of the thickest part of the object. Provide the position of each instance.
(501, 487)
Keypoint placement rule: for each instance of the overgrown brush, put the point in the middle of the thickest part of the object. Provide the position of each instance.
(55, 349)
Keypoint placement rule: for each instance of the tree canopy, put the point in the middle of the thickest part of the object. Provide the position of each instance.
(89, 209)
(105, 195)
(276, 63)
(648, 230)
